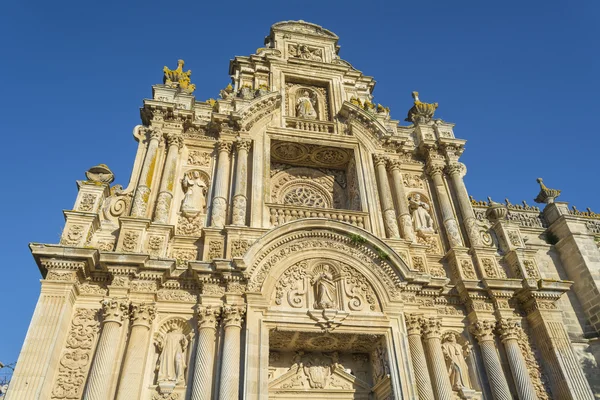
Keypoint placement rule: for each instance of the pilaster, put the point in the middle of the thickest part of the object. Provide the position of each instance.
(389, 214)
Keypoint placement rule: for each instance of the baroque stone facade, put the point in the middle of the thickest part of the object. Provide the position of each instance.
(291, 240)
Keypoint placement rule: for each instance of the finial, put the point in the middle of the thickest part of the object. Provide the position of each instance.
(421, 113)
(177, 78)
(100, 174)
(546, 195)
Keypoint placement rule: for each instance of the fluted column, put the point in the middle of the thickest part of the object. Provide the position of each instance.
(389, 214)
(404, 219)
(417, 354)
(132, 375)
(509, 331)
(450, 224)
(167, 183)
(456, 172)
(241, 182)
(99, 381)
(219, 202)
(142, 193)
(205, 353)
(432, 336)
(233, 317)
(483, 331)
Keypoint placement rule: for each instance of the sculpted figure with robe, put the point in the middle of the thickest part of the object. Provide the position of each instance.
(195, 190)
(324, 290)
(305, 106)
(422, 221)
(172, 360)
(455, 354)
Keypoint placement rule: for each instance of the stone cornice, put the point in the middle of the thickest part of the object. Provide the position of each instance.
(62, 257)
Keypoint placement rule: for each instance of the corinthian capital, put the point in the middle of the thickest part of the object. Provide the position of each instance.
(393, 164)
(233, 315)
(224, 146)
(434, 168)
(414, 323)
(483, 330)
(432, 327)
(174, 139)
(508, 329)
(143, 314)
(243, 144)
(456, 169)
(115, 310)
(208, 317)
(380, 159)
(154, 133)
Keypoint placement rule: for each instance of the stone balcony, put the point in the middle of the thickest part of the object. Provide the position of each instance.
(280, 214)
(309, 125)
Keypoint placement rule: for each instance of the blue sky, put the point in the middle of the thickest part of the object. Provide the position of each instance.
(520, 80)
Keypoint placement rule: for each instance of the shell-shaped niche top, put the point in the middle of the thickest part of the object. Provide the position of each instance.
(100, 174)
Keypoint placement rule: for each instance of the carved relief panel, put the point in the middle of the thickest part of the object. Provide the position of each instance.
(323, 285)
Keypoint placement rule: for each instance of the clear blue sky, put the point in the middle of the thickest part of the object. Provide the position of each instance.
(520, 80)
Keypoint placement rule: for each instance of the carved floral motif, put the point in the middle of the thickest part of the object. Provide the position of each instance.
(73, 235)
(87, 202)
(130, 241)
(77, 355)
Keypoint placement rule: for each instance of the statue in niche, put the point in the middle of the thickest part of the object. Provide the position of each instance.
(171, 362)
(324, 289)
(455, 354)
(422, 221)
(195, 190)
(305, 106)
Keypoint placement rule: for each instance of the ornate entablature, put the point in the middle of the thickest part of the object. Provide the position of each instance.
(292, 226)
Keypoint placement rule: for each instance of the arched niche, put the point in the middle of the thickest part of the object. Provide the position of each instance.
(317, 96)
(173, 343)
(319, 238)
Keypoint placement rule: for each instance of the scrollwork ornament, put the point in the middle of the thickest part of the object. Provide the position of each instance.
(87, 202)
(77, 355)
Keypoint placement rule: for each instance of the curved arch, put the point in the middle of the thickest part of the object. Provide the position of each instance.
(276, 249)
(171, 324)
(376, 131)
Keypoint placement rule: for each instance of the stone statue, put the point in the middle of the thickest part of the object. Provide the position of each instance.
(422, 221)
(172, 359)
(195, 190)
(324, 290)
(455, 354)
(305, 106)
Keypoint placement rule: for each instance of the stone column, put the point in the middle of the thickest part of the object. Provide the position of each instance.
(450, 224)
(132, 374)
(456, 173)
(389, 214)
(417, 355)
(205, 353)
(241, 182)
(404, 219)
(432, 337)
(509, 335)
(219, 202)
(483, 331)
(142, 194)
(99, 378)
(167, 183)
(233, 317)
